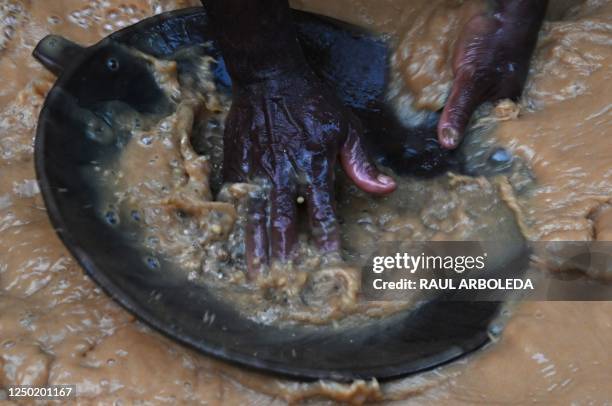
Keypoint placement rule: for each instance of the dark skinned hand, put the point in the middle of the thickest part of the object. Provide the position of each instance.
(284, 129)
(491, 62)
(290, 130)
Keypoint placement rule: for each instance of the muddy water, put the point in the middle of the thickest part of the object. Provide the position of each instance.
(57, 327)
(159, 187)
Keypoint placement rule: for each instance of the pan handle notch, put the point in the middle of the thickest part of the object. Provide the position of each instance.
(55, 53)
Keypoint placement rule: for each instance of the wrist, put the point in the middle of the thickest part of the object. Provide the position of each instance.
(266, 67)
(277, 81)
(522, 13)
(256, 37)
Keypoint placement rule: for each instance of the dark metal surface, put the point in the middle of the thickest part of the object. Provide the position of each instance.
(435, 333)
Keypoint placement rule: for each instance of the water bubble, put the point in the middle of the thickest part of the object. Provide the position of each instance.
(112, 64)
(152, 262)
(9, 32)
(500, 156)
(146, 139)
(152, 240)
(213, 124)
(111, 218)
(495, 331)
(135, 215)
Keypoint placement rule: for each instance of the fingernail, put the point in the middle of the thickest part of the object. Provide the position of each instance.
(450, 137)
(384, 179)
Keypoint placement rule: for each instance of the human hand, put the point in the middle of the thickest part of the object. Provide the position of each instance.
(490, 63)
(287, 131)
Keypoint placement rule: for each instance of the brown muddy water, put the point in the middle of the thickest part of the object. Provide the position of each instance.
(161, 189)
(56, 327)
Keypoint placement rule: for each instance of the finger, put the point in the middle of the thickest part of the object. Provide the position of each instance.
(468, 88)
(358, 166)
(461, 104)
(322, 213)
(237, 147)
(283, 222)
(256, 235)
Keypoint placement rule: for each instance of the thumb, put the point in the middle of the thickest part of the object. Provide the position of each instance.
(360, 168)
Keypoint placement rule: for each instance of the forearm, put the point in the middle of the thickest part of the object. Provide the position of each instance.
(256, 37)
(524, 9)
(521, 21)
(522, 16)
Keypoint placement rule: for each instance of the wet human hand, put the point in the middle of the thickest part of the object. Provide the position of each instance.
(491, 62)
(284, 131)
(287, 131)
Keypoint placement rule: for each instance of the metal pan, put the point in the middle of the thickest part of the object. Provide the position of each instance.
(355, 64)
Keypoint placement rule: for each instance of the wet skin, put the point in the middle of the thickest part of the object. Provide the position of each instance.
(490, 62)
(286, 130)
